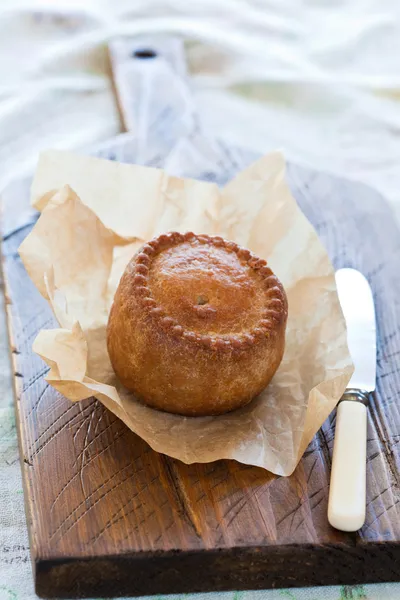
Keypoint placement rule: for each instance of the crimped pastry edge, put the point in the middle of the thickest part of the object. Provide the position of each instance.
(276, 306)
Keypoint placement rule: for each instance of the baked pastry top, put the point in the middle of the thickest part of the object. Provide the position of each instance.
(197, 325)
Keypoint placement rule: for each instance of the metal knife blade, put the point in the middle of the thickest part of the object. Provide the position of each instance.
(357, 303)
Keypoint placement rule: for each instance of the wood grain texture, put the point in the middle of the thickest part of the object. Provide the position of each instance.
(109, 516)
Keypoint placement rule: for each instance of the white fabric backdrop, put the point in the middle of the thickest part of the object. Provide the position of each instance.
(320, 80)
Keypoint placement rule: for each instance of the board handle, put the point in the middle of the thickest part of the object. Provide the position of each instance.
(153, 93)
(347, 493)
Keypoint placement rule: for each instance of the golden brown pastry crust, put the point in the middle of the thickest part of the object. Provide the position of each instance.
(197, 326)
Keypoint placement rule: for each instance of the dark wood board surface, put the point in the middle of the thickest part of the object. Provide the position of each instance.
(109, 516)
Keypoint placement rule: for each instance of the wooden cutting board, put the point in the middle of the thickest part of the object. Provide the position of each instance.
(108, 516)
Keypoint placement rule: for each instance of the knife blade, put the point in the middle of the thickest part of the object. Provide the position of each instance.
(347, 493)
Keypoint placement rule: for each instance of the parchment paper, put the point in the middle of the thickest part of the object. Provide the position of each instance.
(96, 213)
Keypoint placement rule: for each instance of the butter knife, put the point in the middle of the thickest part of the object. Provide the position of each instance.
(347, 493)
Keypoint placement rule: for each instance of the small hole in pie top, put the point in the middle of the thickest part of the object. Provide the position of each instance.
(201, 300)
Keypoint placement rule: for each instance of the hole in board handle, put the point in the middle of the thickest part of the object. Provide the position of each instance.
(144, 53)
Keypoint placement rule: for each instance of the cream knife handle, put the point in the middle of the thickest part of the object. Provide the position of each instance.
(346, 505)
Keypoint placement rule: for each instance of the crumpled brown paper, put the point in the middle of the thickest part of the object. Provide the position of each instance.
(96, 213)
